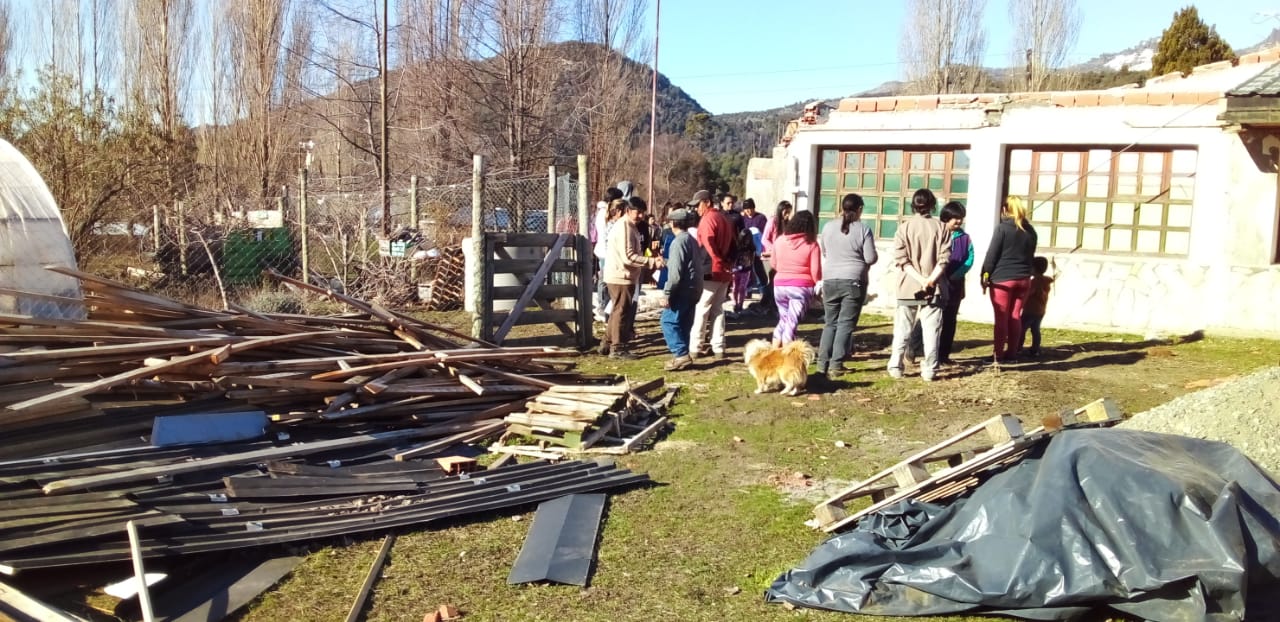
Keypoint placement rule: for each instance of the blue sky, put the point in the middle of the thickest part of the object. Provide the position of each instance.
(736, 55)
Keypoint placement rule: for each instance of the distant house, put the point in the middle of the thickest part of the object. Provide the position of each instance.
(1158, 204)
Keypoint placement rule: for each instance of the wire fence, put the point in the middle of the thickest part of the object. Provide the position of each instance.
(215, 250)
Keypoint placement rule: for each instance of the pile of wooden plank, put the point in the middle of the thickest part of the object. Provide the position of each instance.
(957, 464)
(589, 419)
(219, 430)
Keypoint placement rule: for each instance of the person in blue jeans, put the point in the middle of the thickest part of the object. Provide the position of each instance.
(848, 250)
(683, 288)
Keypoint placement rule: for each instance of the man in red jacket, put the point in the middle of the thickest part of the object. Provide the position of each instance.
(716, 237)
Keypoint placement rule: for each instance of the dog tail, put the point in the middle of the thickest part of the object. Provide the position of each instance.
(802, 348)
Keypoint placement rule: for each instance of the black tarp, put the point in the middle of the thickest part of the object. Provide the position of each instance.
(1157, 526)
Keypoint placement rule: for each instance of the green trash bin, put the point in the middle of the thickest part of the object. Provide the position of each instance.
(247, 253)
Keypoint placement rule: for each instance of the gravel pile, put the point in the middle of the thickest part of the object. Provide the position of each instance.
(1243, 412)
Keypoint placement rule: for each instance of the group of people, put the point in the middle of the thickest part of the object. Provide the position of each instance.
(711, 250)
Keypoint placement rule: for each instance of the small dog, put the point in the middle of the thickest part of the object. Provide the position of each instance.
(788, 365)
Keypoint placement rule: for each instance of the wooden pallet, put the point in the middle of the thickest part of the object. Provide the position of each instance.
(965, 466)
(613, 419)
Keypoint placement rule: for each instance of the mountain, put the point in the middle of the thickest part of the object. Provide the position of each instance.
(1136, 58)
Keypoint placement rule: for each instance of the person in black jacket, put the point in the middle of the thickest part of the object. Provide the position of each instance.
(1006, 272)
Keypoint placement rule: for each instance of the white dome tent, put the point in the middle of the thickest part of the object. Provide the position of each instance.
(32, 235)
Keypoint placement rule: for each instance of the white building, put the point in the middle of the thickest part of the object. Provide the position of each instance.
(1158, 205)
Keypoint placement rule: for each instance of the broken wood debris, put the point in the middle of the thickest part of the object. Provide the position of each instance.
(969, 457)
(567, 419)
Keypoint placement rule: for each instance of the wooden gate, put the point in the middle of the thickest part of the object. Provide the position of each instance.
(557, 285)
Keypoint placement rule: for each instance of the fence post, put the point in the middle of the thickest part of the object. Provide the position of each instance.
(583, 213)
(155, 229)
(551, 199)
(586, 260)
(413, 224)
(302, 224)
(182, 238)
(477, 244)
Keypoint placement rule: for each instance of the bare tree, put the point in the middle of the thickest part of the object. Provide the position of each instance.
(611, 106)
(943, 44)
(1047, 30)
(6, 36)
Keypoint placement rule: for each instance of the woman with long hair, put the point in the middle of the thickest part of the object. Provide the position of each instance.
(772, 230)
(1006, 272)
(849, 251)
(798, 261)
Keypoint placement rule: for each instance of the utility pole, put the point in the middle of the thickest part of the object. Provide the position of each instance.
(384, 170)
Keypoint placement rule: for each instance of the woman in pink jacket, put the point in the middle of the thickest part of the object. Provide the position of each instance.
(798, 260)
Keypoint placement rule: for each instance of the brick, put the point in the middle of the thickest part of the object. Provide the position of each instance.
(866, 105)
(987, 99)
(1208, 98)
(1135, 99)
(1269, 56)
(928, 102)
(1160, 98)
(886, 104)
(848, 104)
(1086, 99)
(908, 103)
(1185, 97)
(1110, 99)
(1065, 100)
(1251, 59)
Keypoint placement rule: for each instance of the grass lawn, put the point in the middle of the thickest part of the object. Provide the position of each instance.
(738, 476)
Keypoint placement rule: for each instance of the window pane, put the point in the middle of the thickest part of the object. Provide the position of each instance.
(1019, 184)
(1046, 183)
(1153, 163)
(1150, 216)
(915, 182)
(1152, 186)
(1095, 213)
(1020, 160)
(1124, 213)
(871, 204)
(828, 181)
(1184, 162)
(917, 161)
(1048, 162)
(871, 160)
(1179, 215)
(851, 180)
(1042, 211)
(891, 206)
(1127, 162)
(1177, 242)
(959, 184)
(1071, 162)
(1097, 186)
(1148, 242)
(1120, 240)
(1064, 237)
(938, 161)
(893, 159)
(960, 161)
(852, 160)
(1182, 189)
(1092, 239)
(829, 158)
(888, 227)
(1127, 186)
(827, 202)
(1068, 212)
(893, 183)
(869, 180)
(936, 182)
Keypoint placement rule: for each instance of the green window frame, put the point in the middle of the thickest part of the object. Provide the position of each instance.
(886, 177)
(1112, 200)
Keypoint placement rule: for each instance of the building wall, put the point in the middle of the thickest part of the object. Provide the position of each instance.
(1227, 282)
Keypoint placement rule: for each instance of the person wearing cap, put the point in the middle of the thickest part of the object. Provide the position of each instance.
(682, 289)
(622, 273)
(716, 237)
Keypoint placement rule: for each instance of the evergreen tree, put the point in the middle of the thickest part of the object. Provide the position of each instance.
(1189, 42)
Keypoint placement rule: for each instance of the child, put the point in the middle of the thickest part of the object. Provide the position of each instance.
(1037, 300)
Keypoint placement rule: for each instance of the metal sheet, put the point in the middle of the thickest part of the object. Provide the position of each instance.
(561, 544)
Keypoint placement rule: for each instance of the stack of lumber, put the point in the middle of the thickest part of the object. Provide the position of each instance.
(956, 465)
(447, 282)
(589, 418)
(219, 430)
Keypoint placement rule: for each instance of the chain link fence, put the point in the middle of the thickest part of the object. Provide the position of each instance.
(216, 253)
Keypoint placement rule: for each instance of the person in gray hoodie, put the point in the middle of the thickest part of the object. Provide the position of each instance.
(685, 268)
(848, 251)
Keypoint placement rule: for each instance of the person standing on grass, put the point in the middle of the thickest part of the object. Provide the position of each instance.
(772, 230)
(952, 215)
(715, 236)
(1037, 302)
(798, 260)
(599, 241)
(849, 251)
(755, 222)
(1006, 272)
(623, 268)
(921, 250)
(682, 289)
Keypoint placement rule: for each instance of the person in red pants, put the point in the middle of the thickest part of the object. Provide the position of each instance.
(1007, 274)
